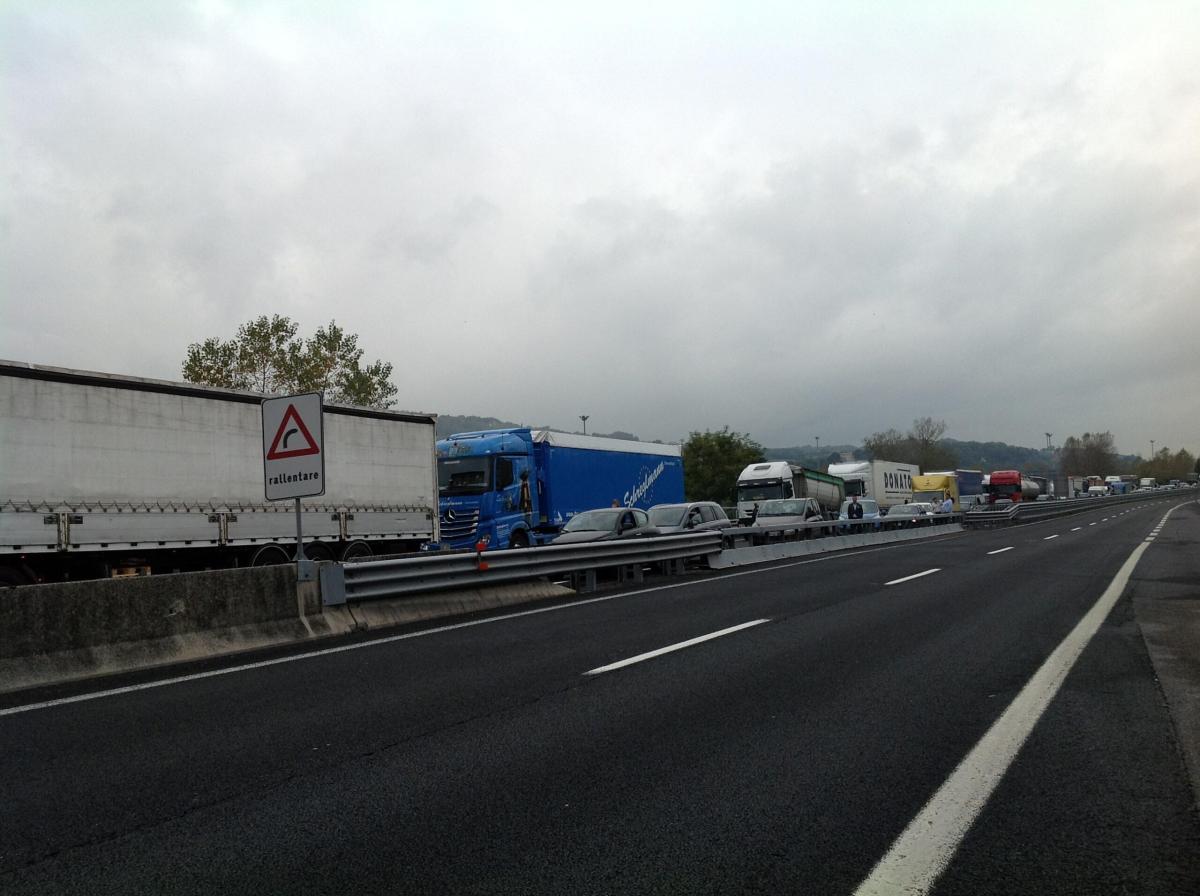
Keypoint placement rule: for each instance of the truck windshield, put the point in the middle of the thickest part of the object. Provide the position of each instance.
(782, 508)
(464, 475)
(759, 491)
(854, 487)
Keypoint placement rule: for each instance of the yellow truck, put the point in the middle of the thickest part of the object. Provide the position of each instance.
(934, 488)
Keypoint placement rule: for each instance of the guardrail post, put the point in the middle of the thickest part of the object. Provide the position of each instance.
(333, 584)
(584, 582)
(631, 573)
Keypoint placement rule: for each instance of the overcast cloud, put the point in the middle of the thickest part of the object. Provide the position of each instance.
(794, 219)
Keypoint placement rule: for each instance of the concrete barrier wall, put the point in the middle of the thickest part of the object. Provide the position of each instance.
(783, 550)
(52, 634)
(80, 615)
(69, 630)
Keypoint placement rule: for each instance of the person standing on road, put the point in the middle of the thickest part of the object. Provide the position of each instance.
(948, 505)
(854, 512)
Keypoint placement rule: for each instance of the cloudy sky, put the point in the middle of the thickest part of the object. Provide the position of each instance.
(795, 219)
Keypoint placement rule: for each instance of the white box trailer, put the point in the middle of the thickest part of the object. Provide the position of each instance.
(887, 482)
(103, 474)
(767, 480)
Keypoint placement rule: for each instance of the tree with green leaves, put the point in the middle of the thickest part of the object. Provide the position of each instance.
(266, 356)
(712, 462)
(1167, 465)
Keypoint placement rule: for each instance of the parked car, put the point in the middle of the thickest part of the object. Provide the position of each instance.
(907, 516)
(871, 513)
(790, 512)
(605, 524)
(694, 516)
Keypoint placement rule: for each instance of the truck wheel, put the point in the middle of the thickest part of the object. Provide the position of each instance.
(518, 539)
(356, 550)
(270, 555)
(318, 551)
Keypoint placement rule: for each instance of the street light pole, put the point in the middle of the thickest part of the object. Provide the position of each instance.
(584, 418)
(1152, 449)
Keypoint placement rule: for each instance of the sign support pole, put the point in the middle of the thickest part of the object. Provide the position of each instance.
(294, 459)
(299, 546)
(306, 570)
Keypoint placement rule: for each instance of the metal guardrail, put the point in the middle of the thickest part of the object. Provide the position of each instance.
(761, 533)
(1032, 511)
(415, 575)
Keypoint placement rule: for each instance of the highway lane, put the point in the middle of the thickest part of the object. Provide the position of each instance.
(788, 754)
(1105, 742)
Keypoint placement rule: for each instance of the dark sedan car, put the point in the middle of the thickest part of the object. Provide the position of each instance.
(906, 516)
(605, 524)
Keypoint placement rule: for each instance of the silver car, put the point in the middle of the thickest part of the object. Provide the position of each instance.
(871, 515)
(694, 516)
(790, 512)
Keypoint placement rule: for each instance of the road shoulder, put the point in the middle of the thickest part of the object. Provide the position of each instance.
(1166, 602)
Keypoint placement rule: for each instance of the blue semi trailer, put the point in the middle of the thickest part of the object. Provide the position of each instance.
(518, 487)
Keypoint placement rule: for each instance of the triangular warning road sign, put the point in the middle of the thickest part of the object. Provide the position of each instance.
(282, 452)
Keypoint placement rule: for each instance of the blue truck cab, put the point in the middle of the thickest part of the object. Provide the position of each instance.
(518, 487)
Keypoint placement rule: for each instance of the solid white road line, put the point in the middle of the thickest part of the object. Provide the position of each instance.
(641, 657)
(1048, 537)
(927, 572)
(1000, 551)
(922, 852)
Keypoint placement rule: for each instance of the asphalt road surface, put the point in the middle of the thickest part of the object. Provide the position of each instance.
(774, 730)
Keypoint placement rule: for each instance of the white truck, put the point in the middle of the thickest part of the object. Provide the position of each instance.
(884, 481)
(105, 475)
(780, 479)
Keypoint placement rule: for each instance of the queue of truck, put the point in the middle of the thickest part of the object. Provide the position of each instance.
(107, 475)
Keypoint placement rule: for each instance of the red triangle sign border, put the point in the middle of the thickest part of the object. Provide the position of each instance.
(309, 449)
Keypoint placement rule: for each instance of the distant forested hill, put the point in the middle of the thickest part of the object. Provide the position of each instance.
(988, 456)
